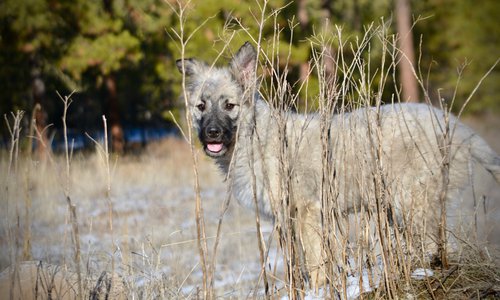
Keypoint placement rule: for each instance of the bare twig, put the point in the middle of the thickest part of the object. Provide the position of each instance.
(14, 132)
(67, 188)
(181, 36)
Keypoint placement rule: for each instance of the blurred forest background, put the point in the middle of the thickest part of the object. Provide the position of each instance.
(119, 58)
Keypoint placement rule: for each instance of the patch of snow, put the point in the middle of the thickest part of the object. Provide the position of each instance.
(321, 294)
(353, 285)
(421, 273)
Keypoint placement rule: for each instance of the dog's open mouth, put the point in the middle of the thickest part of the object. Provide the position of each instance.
(215, 149)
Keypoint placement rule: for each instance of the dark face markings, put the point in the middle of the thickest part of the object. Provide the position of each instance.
(217, 127)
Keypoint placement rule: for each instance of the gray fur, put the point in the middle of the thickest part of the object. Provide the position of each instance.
(409, 137)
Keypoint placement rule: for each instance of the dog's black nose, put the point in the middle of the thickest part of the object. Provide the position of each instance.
(213, 132)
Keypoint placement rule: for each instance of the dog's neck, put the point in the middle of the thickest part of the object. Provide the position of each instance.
(224, 162)
(246, 131)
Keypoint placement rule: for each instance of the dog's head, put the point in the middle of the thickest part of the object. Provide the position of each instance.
(218, 96)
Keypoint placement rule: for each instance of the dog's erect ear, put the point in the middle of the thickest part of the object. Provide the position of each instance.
(191, 66)
(243, 64)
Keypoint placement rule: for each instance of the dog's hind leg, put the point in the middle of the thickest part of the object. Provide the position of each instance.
(310, 238)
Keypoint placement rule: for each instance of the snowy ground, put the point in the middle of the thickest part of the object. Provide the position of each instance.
(153, 236)
(150, 237)
(152, 243)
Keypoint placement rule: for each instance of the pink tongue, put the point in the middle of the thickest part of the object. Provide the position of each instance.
(214, 147)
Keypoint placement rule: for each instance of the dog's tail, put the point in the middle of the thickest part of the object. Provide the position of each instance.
(486, 156)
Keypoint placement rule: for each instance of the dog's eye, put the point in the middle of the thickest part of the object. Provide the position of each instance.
(201, 106)
(229, 106)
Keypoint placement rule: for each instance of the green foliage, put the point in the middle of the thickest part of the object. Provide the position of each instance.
(32, 21)
(106, 52)
(477, 44)
(460, 44)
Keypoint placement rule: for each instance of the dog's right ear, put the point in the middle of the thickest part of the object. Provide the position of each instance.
(191, 66)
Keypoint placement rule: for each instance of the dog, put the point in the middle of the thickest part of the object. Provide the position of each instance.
(413, 151)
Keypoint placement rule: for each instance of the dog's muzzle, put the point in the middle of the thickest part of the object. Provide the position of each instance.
(213, 141)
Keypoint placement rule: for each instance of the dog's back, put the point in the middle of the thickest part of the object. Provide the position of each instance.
(404, 145)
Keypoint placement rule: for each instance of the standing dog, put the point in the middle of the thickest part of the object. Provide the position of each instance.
(406, 145)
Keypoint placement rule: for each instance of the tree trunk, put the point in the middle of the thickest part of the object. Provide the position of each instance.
(40, 115)
(116, 129)
(302, 14)
(329, 52)
(407, 61)
(303, 18)
(117, 136)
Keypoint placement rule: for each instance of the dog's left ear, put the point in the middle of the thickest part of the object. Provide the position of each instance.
(243, 65)
(190, 66)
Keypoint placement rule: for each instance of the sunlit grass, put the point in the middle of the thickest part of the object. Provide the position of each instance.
(154, 233)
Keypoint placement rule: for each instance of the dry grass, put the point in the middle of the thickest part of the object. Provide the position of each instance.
(158, 222)
(154, 235)
(154, 231)
(390, 255)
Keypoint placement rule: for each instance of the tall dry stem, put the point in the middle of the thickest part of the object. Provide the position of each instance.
(12, 173)
(103, 151)
(251, 90)
(27, 251)
(183, 38)
(67, 189)
(14, 132)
